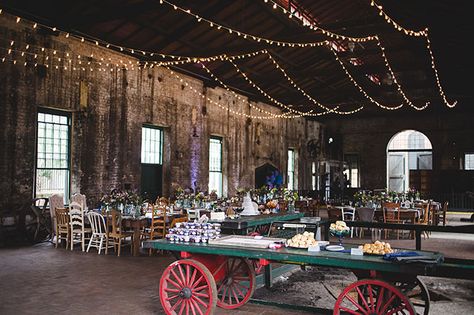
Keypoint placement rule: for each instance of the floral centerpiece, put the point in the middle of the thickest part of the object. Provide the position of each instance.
(291, 196)
(119, 199)
(339, 229)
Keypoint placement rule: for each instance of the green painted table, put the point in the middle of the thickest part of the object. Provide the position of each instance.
(258, 223)
(226, 278)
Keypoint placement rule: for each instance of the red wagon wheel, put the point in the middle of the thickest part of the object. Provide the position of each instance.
(417, 292)
(187, 287)
(236, 287)
(371, 296)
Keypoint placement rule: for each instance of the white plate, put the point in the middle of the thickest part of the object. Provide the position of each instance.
(334, 248)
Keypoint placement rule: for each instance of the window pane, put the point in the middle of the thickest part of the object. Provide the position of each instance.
(152, 145)
(215, 165)
(291, 169)
(469, 161)
(52, 162)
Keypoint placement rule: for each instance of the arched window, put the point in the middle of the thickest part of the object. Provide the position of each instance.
(407, 150)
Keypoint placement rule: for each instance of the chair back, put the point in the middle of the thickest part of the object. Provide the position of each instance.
(55, 201)
(162, 201)
(445, 209)
(390, 211)
(158, 223)
(348, 214)
(283, 205)
(193, 214)
(76, 215)
(426, 215)
(334, 214)
(62, 217)
(80, 199)
(97, 222)
(301, 204)
(366, 214)
(116, 222)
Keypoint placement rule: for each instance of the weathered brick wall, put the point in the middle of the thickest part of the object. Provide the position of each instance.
(451, 134)
(106, 135)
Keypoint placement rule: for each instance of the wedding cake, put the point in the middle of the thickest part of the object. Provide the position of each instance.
(250, 207)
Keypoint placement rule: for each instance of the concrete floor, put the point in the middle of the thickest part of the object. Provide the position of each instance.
(43, 280)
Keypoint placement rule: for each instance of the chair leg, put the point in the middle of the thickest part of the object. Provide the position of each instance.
(90, 242)
(119, 246)
(106, 245)
(82, 241)
(100, 243)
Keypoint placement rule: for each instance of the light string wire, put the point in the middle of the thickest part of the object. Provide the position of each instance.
(315, 27)
(241, 34)
(226, 108)
(273, 100)
(242, 99)
(359, 87)
(424, 33)
(314, 101)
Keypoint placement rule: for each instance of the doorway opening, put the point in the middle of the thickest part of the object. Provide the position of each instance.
(407, 151)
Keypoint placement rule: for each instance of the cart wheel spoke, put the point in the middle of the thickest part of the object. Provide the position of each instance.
(375, 297)
(177, 295)
(238, 284)
(417, 293)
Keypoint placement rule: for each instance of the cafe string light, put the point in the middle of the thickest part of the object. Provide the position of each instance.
(351, 78)
(226, 108)
(313, 26)
(292, 82)
(241, 98)
(273, 100)
(241, 34)
(424, 33)
(396, 25)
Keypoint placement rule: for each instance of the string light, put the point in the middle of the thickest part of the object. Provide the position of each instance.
(433, 66)
(399, 87)
(273, 100)
(331, 110)
(424, 33)
(242, 99)
(392, 22)
(315, 27)
(244, 35)
(226, 108)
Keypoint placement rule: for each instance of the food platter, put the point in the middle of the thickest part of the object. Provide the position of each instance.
(334, 248)
(320, 243)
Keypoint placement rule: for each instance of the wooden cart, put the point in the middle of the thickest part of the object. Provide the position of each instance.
(214, 275)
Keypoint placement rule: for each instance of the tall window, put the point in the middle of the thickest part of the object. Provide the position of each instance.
(52, 154)
(215, 165)
(152, 145)
(352, 171)
(291, 169)
(469, 161)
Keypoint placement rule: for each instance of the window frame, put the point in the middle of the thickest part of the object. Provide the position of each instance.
(220, 191)
(291, 173)
(464, 164)
(68, 115)
(161, 141)
(349, 159)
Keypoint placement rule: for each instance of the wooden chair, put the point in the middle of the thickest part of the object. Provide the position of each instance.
(426, 217)
(391, 215)
(283, 205)
(62, 227)
(55, 201)
(80, 199)
(367, 215)
(158, 225)
(117, 234)
(334, 214)
(78, 233)
(442, 215)
(99, 231)
(301, 205)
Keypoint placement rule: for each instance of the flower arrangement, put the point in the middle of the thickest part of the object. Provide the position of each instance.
(290, 195)
(117, 197)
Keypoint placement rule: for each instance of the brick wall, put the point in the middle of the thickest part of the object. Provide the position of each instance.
(106, 133)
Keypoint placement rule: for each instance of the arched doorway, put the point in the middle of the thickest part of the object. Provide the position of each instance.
(407, 150)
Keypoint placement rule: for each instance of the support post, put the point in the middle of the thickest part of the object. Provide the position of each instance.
(418, 239)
